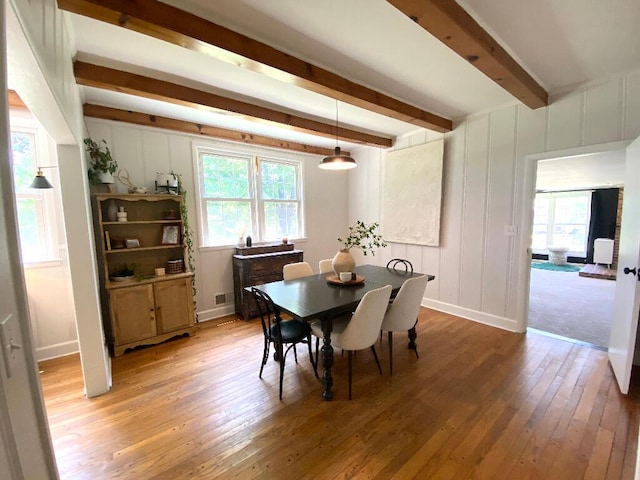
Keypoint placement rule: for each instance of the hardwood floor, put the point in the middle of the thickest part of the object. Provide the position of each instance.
(479, 403)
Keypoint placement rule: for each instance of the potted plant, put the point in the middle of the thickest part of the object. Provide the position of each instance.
(102, 166)
(361, 236)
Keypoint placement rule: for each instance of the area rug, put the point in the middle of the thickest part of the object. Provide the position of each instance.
(555, 268)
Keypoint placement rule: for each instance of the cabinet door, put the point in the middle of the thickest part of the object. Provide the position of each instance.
(132, 313)
(174, 304)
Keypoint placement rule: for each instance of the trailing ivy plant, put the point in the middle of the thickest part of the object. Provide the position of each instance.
(188, 237)
(101, 160)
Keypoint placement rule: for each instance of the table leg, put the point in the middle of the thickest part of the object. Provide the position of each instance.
(327, 359)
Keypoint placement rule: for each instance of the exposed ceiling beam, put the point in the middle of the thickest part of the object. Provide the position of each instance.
(138, 118)
(14, 100)
(119, 81)
(181, 28)
(448, 22)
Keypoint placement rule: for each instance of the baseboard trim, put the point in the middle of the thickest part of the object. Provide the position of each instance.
(57, 350)
(480, 317)
(213, 313)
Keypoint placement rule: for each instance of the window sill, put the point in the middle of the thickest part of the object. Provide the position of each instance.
(44, 263)
(213, 248)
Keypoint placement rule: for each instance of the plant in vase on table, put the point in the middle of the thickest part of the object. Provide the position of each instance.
(361, 236)
(101, 165)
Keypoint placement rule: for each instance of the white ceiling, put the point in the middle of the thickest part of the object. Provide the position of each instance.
(559, 43)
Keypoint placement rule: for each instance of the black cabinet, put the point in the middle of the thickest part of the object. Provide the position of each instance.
(255, 266)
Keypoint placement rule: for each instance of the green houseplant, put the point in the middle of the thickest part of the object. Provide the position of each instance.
(361, 236)
(102, 166)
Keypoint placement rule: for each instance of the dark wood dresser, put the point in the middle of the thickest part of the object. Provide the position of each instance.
(255, 266)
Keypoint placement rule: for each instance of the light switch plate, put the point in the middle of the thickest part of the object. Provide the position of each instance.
(510, 230)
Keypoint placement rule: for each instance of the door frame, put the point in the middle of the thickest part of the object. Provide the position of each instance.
(528, 194)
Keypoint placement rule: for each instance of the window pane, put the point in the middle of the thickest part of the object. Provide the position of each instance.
(31, 235)
(280, 219)
(226, 221)
(24, 165)
(278, 181)
(225, 177)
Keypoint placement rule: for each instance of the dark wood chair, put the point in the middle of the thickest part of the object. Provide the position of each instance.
(282, 333)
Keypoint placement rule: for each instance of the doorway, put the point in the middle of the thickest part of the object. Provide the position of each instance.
(567, 295)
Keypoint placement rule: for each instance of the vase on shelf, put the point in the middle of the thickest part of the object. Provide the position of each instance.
(343, 262)
(112, 210)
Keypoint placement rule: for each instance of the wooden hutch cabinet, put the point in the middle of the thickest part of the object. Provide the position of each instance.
(255, 266)
(145, 307)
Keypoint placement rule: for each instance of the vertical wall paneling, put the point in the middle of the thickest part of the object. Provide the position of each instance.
(448, 277)
(474, 212)
(499, 211)
(603, 113)
(631, 119)
(566, 117)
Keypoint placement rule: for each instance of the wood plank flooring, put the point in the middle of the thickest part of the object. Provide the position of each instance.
(479, 403)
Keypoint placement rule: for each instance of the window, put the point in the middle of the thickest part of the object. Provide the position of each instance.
(244, 194)
(34, 217)
(561, 219)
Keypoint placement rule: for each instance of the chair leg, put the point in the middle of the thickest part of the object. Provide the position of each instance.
(350, 355)
(265, 356)
(282, 360)
(314, 364)
(390, 334)
(375, 355)
(295, 353)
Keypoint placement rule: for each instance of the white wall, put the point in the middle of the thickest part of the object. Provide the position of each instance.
(143, 151)
(477, 267)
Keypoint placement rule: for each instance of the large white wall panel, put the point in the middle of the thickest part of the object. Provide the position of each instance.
(474, 212)
(603, 113)
(499, 211)
(632, 107)
(565, 122)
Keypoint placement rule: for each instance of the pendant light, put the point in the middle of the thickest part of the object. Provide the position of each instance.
(337, 161)
(40, 181)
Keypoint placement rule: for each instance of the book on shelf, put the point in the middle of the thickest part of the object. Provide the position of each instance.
(107, 240)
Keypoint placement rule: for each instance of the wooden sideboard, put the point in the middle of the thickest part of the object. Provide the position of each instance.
(255, 266)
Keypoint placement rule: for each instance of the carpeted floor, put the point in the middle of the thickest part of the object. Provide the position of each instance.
(569, 305)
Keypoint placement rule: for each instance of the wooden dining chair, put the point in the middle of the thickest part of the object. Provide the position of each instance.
(291, 271)
(281, 333)
(360, 330)
(402, 313)
(325, 265)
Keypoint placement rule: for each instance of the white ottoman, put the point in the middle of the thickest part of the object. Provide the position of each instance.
(558, 255)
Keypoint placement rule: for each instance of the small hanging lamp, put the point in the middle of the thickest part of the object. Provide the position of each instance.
(40, 181)
(337, 161)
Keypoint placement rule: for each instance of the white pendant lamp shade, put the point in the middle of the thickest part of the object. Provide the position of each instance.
(337, 161)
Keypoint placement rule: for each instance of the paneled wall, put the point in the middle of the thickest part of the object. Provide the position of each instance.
(477, 267)
(143, 151)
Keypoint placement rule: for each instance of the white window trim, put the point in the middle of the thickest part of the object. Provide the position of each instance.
(23, 122)
(253, 153)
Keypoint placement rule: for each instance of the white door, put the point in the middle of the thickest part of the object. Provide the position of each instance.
(627, 302)
(25, 447)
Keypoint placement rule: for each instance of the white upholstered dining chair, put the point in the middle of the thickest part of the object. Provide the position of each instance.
(402, 313)
(292, 271)
(359, 331)
(325, 265)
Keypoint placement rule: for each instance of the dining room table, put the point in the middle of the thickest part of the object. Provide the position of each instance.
(324, 297)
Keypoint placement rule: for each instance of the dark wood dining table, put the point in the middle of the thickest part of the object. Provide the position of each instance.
(314, 298)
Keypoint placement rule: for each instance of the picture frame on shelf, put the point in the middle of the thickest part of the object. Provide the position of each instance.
(170, 235)
(132, 243)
